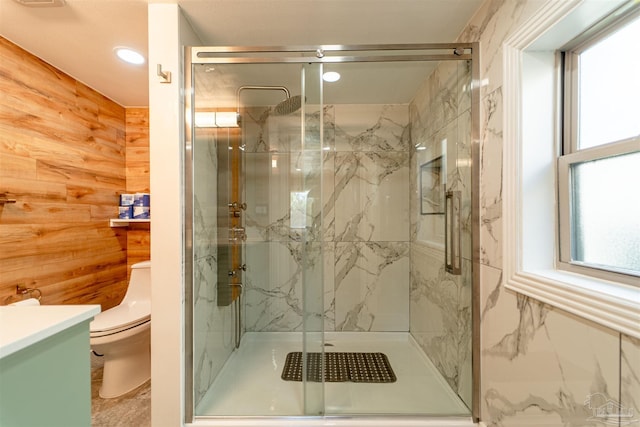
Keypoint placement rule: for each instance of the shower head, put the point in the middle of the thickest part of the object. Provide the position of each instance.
(288, 106)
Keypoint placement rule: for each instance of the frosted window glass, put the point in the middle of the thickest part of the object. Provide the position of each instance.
(610, 89)
(606, 208)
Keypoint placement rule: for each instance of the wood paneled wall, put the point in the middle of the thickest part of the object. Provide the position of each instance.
(137, 173)
(63, 150)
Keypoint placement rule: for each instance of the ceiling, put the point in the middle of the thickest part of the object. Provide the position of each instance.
(79, 37)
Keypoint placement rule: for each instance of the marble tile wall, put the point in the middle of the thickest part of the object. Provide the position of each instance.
(440, 301)
(213, 341)
(540, 366)
(363, 197)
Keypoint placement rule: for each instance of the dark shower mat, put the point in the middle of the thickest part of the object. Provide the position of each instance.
(340, 367)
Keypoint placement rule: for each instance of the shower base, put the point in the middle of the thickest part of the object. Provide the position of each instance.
(250, 384)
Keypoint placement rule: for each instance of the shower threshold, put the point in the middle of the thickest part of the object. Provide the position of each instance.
(249, 384)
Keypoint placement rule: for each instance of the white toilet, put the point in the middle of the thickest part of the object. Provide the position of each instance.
(122, 335)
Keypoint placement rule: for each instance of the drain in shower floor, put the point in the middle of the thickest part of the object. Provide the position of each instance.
(340, 367)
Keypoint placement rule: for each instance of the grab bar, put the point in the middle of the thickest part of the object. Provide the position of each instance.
(452, 234)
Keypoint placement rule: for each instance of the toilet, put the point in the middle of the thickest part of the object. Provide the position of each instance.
(122, 335)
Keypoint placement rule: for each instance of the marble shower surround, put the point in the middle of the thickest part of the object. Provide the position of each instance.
(441, 302)
(212, 345)
(365, 233)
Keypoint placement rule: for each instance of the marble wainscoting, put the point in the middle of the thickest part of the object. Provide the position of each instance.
(546, 367)
(630, 377)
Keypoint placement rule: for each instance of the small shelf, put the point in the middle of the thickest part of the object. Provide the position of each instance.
(126, 222)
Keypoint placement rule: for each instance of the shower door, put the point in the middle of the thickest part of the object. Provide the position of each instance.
(332, 212)
(257, 219)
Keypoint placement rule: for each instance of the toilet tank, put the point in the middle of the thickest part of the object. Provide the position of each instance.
(140, 283)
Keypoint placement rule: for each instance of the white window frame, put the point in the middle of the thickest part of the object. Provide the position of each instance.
(530, 151)
(565, 163)
(572, 154)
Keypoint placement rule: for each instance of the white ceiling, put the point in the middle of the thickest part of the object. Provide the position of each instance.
(79, 37)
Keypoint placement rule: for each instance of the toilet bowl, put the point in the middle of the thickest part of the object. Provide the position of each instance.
(122, 335)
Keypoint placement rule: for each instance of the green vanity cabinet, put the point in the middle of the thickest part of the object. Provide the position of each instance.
(45, 373)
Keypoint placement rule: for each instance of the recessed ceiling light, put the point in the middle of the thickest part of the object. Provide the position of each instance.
(129, 55)
(331, 76)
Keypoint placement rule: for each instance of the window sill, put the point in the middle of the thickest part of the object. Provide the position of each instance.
(613, 305)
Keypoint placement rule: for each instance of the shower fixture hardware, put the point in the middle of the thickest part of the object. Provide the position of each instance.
(237, 233)
(257, 87)
(234, 273)
(328, 53)
(284, 107)
(165, 75)
(236, 207)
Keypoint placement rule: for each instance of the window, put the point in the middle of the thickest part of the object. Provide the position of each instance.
(599, 169)
(594, 164)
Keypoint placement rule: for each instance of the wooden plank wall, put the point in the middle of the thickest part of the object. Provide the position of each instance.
(137, 173)
(63, 158)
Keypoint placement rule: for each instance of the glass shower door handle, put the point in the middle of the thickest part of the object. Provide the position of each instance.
(452, 234)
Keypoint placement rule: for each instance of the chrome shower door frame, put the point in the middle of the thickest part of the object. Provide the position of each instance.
(327, 54)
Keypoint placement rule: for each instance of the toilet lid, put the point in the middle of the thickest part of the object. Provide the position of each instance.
(122, 316)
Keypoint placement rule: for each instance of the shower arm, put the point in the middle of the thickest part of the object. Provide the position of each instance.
(241, 88)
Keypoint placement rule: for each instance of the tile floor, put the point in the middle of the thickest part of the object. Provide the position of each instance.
(250, 383)
(130, 410)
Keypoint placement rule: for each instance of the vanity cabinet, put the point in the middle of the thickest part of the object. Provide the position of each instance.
(45, 372)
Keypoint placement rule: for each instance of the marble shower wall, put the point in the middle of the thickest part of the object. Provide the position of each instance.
(371, 218)
(441, 302)
(213, 342)
(364, 189)
(540, 365)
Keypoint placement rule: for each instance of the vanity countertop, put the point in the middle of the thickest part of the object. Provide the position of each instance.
(22, 326)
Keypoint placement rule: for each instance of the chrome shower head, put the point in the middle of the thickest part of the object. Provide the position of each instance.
(288, 106)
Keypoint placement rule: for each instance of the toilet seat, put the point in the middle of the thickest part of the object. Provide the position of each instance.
(120, 318)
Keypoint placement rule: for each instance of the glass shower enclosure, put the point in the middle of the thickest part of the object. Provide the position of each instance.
(332, 231)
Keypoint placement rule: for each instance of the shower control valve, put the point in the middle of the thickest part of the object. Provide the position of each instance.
(237, 233)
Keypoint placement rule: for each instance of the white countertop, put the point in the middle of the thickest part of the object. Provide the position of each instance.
(22, 326)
